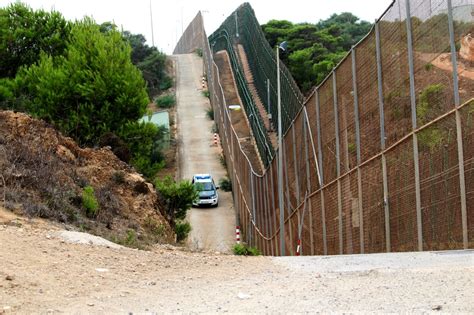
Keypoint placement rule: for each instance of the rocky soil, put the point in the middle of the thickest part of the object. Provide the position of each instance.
(43, 174)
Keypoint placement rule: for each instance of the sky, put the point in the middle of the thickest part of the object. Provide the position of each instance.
(171, 17)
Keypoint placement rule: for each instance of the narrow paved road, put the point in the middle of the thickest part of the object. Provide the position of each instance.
(212, 228)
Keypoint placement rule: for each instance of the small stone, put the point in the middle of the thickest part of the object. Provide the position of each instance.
(243, 296)
(90, 304)
(9, 278)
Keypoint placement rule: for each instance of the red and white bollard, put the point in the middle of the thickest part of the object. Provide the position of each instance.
(298, 248)
(237, 234)
(215, 139)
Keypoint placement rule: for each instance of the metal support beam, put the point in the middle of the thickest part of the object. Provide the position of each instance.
(295, 164)
(416, 163)
(462, 182)
(308, 180)
(252, 221)
(382, 138)
(357, 134)
(338, 162)
(321, 173)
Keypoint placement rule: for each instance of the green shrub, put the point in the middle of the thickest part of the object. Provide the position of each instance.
(166, 83)
(199, 52)
(182, 230)
(166, 101)
(178, 197)
(89, 201)
(210, 113)
(206, 93)
(245, 250)
(430, 101)
(225, 184)
(131, 237)
(145, 141)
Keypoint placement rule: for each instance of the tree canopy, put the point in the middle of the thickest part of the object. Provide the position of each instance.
(25, 33)
(80, 77)
(314, 49)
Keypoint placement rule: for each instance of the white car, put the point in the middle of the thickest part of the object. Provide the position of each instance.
(207, 190)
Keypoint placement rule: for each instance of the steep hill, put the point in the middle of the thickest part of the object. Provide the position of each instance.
(43, 174)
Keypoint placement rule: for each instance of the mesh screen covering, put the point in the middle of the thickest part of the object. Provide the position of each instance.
(410, 194)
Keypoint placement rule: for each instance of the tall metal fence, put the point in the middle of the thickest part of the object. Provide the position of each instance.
(381, 156)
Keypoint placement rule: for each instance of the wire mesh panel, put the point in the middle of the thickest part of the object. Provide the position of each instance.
(328, 133)
(345, 102)
(316, 208)
(396, 89)
(439, 173)
(433, 70)
(373, 207)
(401, 199)
(367, 93)
(350, 214)
(332, 219)
(467, 114)
(463, 19)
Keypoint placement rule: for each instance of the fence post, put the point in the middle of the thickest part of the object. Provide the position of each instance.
(308, 180)
(297, 184)
(288, 200)
(338, 162)
(252, 221)
(462, 184)
(382, 138)
(414, 126)
(357, 134)
(275, 223)
(321, 173)
(268, 209)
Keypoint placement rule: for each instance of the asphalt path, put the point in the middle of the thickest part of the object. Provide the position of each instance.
(213, 229)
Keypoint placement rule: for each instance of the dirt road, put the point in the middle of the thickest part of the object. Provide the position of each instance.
(41, 272)
(212, 228)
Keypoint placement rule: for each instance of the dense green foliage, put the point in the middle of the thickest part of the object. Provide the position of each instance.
(92, 89)
(81, 78)
(178, 197)
(314, 49)
(151, 62)
(89, 201)
(245, 250)
(145, 140)
(25, 33)
(182, 230)
(166, 101)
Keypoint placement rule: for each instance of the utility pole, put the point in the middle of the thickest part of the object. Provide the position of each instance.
(151, 19)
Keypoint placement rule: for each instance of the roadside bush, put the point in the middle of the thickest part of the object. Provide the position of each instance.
(166, 83)
(89, 202)
(182, 230)
(245, 250)
(145, 141)
(206, 93)
(210, 113)
(166, 101)
(225, 184)
(177, 196)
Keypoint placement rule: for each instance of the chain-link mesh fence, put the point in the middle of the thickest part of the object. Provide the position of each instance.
(380, 157)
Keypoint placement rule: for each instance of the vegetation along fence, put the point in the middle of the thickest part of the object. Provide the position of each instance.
(379, 157)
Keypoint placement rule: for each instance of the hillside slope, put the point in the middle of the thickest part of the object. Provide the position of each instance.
(43, 174)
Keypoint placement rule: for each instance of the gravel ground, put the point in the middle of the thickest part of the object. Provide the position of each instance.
(43, 272)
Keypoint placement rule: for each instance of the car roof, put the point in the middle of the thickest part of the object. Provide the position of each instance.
(202, 177)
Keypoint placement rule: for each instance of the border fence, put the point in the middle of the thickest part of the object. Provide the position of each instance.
(380, 156)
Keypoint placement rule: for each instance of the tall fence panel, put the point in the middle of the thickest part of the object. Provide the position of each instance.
(379, 157)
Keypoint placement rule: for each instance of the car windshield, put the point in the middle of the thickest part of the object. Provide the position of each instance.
(206, 186)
